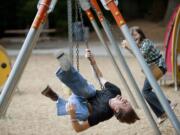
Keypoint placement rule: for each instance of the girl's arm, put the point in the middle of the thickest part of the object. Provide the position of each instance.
(125, 45)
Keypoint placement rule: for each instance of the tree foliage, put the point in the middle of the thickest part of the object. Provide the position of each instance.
(19, 14)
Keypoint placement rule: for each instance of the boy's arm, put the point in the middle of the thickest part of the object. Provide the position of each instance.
(96, 69)
(75, 123)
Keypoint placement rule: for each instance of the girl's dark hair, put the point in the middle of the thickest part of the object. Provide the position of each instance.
(138, 30)
(127, 117)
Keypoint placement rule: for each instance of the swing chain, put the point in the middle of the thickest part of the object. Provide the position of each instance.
(101, 85)
(81, 15)
(77, 42)
(77, 55)
(78, 11)
(86, 41)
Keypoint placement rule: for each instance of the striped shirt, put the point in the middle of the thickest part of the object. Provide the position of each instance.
(151, 54)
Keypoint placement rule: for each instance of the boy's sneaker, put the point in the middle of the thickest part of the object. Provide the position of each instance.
(63, 60)
(162, 118)
(48, 92)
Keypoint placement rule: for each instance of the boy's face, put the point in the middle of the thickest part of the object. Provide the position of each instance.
(118, 103)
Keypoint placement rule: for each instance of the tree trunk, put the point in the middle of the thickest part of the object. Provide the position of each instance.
(157, 10)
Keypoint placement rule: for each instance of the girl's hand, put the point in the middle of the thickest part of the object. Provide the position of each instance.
(125, 44)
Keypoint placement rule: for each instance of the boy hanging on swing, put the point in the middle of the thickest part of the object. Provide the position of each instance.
(86, 104)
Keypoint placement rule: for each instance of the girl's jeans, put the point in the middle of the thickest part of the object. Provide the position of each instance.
(151, 97)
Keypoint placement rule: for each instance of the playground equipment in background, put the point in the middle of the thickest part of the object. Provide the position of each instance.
(5, 66)
(176, 50)
(44, 8)
(171, 43)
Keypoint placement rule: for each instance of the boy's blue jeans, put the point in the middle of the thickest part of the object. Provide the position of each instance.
(81, 90)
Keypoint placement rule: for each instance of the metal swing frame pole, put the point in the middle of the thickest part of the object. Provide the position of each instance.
(124, 28)
(44, 7)
(125, 66)
(86, 8)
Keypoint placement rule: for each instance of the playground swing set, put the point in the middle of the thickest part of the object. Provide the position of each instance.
(47, 6)
(172, 49)
(5, 63)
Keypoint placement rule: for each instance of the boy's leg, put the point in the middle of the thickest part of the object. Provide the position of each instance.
(63, 60)
(81, 105)
(71, 77)
(61, 103)
(48, 92)
(61, 107)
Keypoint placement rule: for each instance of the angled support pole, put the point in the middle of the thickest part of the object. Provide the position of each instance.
(124, 28)
(86, 7)
(44, 7)
(124, 65)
